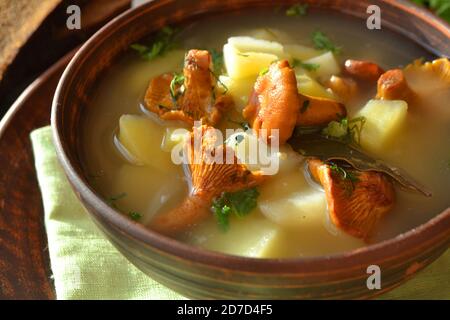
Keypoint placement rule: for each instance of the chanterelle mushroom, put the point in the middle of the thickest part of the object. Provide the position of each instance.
(430, 82)
(356, 200)
(192, 96)
(315, 111)
(392, 85)
(344, 87)
(274, 102)
(208, 180)
(363, 70)
(421, 85)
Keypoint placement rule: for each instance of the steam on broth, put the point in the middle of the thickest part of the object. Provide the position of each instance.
(127, 145)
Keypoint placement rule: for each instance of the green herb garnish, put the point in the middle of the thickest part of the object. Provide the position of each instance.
(135, 215)
(177, 81)
(163, 42)
(239, 203)
(346, 175)
(336, 129)
(355, 127)
(348, 131)
(305, 106)
(297, 10)
(224, 86)
(217, 60)
(263, 71)
(322, 42)
(306, 66)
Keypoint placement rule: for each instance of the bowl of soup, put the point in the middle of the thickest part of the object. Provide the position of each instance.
(246, 149)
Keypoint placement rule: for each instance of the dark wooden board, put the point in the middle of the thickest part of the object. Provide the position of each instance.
(24, 261)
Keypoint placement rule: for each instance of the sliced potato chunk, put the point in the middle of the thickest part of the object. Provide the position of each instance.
(239, 89)
(246, 147)
(290, 201)
(255, 234)
(245, 64)
(172, 137)
(384, 119)
(310, 87)
(250, 44)
(328, 65)
(142, 138)
(146, 190)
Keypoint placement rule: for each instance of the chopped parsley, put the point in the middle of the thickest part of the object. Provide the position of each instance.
(135, 215)
(346, 130)
(322, 42)
(345, 174)
(177, 81)
(297, 10)
(224, 86)
(351, 177)
(239, 203)
(263, 71)
(306, 66)
(162, 43)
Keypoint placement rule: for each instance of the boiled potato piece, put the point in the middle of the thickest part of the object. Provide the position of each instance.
(172, 137)
(296, 242)
(300, 52)
(142, 138)
(146, 190)
(254, 234)
(288, 200)
(310, 87)
(250, 44)
(384, 119)
(245, 65)
(328, 65)
(247, 146)
(239, 89)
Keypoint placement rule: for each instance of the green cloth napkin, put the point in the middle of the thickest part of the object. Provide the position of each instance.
(86, 266)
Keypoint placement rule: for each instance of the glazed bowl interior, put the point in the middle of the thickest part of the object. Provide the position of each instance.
(152, 252)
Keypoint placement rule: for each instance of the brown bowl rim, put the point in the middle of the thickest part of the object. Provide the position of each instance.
(429, 232)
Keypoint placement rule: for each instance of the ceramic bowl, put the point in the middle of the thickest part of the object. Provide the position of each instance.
(198, 273)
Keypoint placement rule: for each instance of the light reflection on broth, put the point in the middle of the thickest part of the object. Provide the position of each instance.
(421, 147)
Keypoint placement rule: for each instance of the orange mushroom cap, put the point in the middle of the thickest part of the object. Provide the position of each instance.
(208, 179)
(200, 100)
(355, 205)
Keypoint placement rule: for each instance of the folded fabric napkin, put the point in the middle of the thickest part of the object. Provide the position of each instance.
(86, 266)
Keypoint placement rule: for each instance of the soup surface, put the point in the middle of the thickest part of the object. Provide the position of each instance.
(127, 148)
